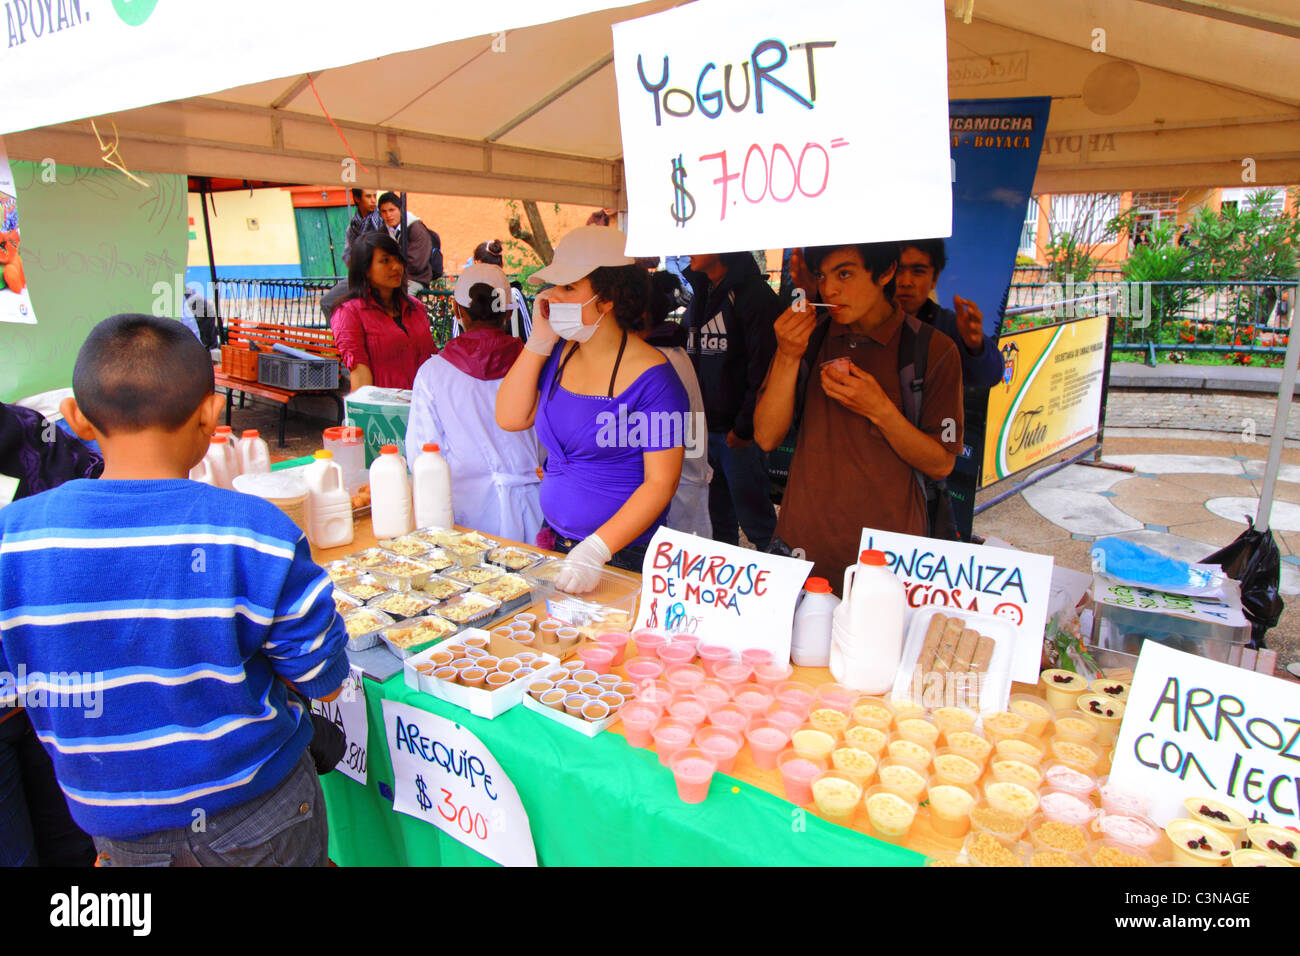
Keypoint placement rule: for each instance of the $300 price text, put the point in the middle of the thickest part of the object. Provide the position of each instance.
(775, 174)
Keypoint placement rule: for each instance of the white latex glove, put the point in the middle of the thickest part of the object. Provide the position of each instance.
(542, 339)
(581, 570)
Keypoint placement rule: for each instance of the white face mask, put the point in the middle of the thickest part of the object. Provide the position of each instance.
(566, 320)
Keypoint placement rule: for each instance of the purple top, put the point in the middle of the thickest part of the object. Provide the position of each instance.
(595, 443)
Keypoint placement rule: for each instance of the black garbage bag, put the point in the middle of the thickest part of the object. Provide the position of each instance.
(1254, 561)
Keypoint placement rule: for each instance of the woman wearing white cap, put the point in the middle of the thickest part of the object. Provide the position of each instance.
(608, 408)
(494, 484)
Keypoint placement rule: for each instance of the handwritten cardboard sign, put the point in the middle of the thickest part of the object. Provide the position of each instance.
(1223, 609)
(347, 711)
(1016, 585)
(730, 596)
(754, 126)
(1194, 727)
(444, 775)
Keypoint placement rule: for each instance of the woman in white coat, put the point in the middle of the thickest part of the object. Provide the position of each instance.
(494, 482)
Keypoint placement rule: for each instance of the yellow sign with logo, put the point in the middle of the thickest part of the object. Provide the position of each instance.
(1049, 397)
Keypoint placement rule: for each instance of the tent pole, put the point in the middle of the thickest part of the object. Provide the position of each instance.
(1280, 417)
(205, 190)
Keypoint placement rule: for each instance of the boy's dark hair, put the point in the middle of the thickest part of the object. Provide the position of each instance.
(628, 287)
(490, 253)
(482, 305)
(356, 195)
(934, 248)
(363, 254)
(389, 197)
(141, 371)
(877, 257)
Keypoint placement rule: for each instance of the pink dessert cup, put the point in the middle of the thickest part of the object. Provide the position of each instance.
(684, 677)
(837, 696)
(638, 721)
(797, 773)
(713, 693)
(656, 692)
(693, 771)
(772, 673)
(766, 741)
(732, 673)
(754, 656)
(753, 699)
(711, 655)
(648, 640)
(721, 744)
(644, 668)
(796, 695)
(675, 653)
(689, 640)
(671, 735)
(597, 658)
(690, 710)
(617, 642)
(730, 717)
(787, 720)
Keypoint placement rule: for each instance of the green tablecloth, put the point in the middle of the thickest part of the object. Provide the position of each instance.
(590, 802)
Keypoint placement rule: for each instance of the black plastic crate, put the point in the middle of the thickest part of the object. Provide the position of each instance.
(285, 371)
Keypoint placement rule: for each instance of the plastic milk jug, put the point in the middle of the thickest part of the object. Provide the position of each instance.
(222, 461)
(867, 636)
(811, 643)
(329, 507)
(254, 453)
(203, 472)
(390, 494)
(431, 489)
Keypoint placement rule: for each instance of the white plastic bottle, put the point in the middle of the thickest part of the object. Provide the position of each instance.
(222, 461)
(202, 472)
(390, 495)
(329, 507)
(811, 644)
(867, 633)
(254, 453)
(431, 489)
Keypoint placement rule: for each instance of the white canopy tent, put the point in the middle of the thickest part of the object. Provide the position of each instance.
(1184, 92)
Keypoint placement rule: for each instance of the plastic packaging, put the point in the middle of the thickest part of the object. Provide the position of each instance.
(254, 453)
(329, 508)
(285, 489)
(431, 489)
(390, 495)
(349, 446)
(811, 644)
(866, 652)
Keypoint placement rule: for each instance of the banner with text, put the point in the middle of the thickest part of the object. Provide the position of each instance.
(1015, 585)
(15, 302)
(1194, 727)
(444, 775)
(1050, 395)
(347, 712)
(765, 125)
(734, 597)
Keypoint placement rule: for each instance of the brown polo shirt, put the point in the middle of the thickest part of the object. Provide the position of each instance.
(845, 476)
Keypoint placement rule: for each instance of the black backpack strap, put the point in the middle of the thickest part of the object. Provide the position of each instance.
(806, 364)
(913, 358)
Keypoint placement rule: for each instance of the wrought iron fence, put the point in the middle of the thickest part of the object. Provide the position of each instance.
(1237, 318)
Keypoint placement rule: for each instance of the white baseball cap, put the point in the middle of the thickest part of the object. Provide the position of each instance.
(582, 252)
(480, 272)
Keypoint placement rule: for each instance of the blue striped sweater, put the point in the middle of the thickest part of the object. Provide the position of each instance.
(144, 624)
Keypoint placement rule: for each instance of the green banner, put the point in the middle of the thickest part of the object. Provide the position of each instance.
(94, 243)
(590, 802)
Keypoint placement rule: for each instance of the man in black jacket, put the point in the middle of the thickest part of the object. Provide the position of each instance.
(730, 340)
(365, 219)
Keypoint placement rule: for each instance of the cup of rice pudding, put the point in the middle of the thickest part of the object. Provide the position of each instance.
(1117, 689)
(1061, 687)
(1016, 769)
(969, 744)
(1283, 844)
(1195, 844)
(1035, 709)
(903, 777)
(950, 807)
(891, 814)
(1076, 752)
(954, 718)
(1104, 713)
(836, 796)
(1231, 823)
(1003, 723)
(953, 767)
(1011, 797)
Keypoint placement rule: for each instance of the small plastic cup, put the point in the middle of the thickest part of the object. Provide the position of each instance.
(442, 658)
(525, 657)
(891, 813)
(905, 708)
(597, 658)
(766, 741)
(573, 704)
(573, 665)
(836, 796)
(1104, 713)
(569, 686)
(594, 710)
(1115, 799)
(524, 617)
(772, 673)
(755, 656)
(732, 673)
(489, 663)
(1253, 858)
(497, 679)
(446, 673)
(923, 730)
(1016, 769)
(950, 807)
(813, 743)
(953, 767)
(1048, 834)
(644, 668)
(1131, 828)
(1035, 708)
(539, 664)
(684, 677)
(911, 751)
(648, 640)
(614, 701)
(693, 771)
(539, 687)
(1076, 752)
(675, 653)
(796, 695)
(475, 641)
(550, 626)
(463, 664)
(797, 774)
(655, 692)
(568, 634)
(526, 638)
(671, 735)
(753, 699)
(713, 693)
(787, 720)
(627, 688)
(1227, 820)
(1280, 842)
(638, 721)
(1062, 776)
(1112, 853)
(505, 632)
(873, 712)
(1117, 689)
(1003, 723)
(721, 744)
(837, 696)
(969, 743)
(689, 710)
(1025, 746)
(984, 849)
(954, 718)
(611, 682)
(615, 641)
(873, 739)
(903, 776)
(729, 717)
(1071, 723)
(475, 653)
(687, 640)
(998, 823)
(833, 720)
(508, 666)
(554, 699)
(858, 762)
(712, 654)
(1011, 797)
(1061, 687)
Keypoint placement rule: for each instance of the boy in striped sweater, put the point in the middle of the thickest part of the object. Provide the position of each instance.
(150, 624)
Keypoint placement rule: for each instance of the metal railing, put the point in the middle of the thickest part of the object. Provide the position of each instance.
(1239, 318)
(1038, 275)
